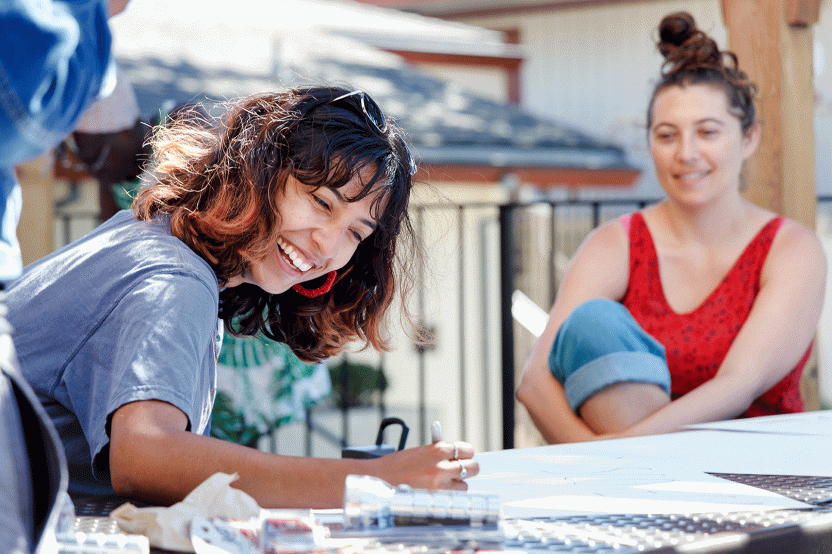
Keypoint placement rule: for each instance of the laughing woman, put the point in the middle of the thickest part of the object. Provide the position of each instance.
(699, 308)
(282, 220)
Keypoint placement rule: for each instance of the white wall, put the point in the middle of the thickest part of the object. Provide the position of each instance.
(492, 83)
(595, 67)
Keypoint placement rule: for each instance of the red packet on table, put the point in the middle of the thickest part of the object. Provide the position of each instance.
(285, 534)
(223, 536)
(275, 532)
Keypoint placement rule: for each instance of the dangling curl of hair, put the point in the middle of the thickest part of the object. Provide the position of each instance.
(693, 58)
(220, 184)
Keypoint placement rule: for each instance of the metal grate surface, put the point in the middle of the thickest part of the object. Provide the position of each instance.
(810, 489)
(631, 533)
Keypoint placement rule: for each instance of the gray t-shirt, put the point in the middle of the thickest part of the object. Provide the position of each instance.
(126, 313)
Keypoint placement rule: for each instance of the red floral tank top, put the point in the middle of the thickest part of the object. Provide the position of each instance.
(697, 342)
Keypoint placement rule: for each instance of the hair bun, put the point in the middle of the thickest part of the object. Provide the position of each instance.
(691, 57)
(675, 29)
(685, 46)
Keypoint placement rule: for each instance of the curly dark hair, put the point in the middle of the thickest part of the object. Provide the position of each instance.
(693, 58)
(219, 185)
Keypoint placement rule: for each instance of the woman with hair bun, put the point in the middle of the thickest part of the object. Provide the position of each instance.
(699, 308)
(285, 219)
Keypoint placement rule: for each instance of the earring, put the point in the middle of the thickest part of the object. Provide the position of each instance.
(323, 289)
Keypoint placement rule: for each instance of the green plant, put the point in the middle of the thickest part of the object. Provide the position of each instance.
(229, 423)
(356, 384)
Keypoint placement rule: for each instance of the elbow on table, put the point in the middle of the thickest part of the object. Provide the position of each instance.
(122, 479)
(136, 472)
(129, 480)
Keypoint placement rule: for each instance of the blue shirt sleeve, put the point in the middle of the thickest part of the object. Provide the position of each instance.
(158, 343)
(54, 60)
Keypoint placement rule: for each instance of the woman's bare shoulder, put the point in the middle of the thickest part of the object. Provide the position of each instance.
(796, 250)
(601, 264)
(794, 235)
(611, 236)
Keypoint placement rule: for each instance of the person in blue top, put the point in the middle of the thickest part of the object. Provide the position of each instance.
(54, 63)
(285, 219)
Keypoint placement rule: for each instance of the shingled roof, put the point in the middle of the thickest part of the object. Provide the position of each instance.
(455, 133)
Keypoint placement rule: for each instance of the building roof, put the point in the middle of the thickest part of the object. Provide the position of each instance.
(473, 8)
(208, 58)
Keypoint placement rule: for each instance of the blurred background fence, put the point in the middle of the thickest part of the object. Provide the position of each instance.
(485, 264)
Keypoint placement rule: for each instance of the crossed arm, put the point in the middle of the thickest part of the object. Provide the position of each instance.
(599, 269)
(773, 339)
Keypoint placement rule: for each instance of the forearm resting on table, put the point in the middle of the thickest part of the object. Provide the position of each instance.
(165, 468)
(153, 458)
(723, 397)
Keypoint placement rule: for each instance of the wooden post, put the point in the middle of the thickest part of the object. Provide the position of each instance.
(773, 41)
(35, 229)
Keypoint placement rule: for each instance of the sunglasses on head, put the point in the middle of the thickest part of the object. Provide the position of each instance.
(372, 113)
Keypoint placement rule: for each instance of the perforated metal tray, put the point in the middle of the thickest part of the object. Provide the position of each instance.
(792, 531)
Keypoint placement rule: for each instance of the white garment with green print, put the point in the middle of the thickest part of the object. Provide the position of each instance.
(267, 382)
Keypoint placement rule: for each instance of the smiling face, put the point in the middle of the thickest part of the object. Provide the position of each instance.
(697, 145)
(318, 232)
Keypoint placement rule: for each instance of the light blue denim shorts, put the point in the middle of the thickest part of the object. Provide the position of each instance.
(600, 344)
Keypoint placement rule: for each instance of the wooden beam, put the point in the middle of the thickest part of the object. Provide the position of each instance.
(802, 13)
(778, 57)
(35, 229)
(470, 60)
(541, 177)
(773, 41)
(512, 36)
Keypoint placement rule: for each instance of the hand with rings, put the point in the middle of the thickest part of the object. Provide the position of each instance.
(463, 471)
(438, 465)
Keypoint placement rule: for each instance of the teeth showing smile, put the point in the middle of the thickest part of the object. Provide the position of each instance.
(293, 255)
(690, 176)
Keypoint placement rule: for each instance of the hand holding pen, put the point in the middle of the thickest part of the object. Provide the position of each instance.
(436, 437)
(438, 465)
